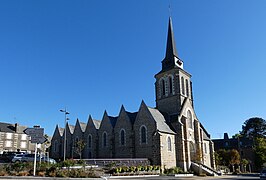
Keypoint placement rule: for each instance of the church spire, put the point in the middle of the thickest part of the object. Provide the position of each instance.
(171, 59)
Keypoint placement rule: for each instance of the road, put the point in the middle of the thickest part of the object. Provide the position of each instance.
(192, 178)
(137, 178)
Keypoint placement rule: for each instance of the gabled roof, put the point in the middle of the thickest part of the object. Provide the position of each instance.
(206, 135)
(71, 128)
(96, 123)
(132, 116)
(6, 127)
(12, 128)
(113, 120)
(61, 131)
(161, 124)
(83, 126)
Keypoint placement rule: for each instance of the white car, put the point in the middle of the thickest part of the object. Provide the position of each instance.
(17, 158)
(263, 174)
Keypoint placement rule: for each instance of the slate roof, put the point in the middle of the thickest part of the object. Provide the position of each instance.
(61, 131)
(113, 120)
(206, 135)
(96, 123)
(161, 124)
(6, 127)
(83, 126)
(132, 116)
(11, 128)
(71, 128)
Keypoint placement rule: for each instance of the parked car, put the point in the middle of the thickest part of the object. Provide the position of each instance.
(30, 158)
(8, 156)
(17, 158)
(263, 174)
(49, 160)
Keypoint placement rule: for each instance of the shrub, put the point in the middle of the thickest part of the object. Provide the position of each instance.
(68, 163)
(173, 170)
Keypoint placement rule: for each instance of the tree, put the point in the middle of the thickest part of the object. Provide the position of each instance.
(228, 157)
(234, 158)
(244, 162)
(254, 127)
(260, 152)
(80, 145)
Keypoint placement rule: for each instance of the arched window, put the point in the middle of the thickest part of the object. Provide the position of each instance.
(55, 146)
(163, 87)
(170, 85)
(187, 91)
(122, 137)
(76, 141)
(143, 135)
(169, 144)
(182, 86)
(189, 119)
(89, 140)
(104, 139)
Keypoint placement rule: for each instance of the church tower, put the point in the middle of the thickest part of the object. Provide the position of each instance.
(173, 85)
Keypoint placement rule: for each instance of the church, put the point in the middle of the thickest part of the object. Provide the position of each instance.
(168, 135)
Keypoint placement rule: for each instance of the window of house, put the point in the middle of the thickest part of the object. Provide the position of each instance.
(143, 135)
(8, 144)
(122, 137)
(76, 142)
(89, 140)
(187, 89)
(23, 137)
(163, 87)
(55, 146)
(104, 139)
(23, 144)
(183, 85)
(170, 85)
(226, 144)
(169, 144)
(189, 119)
(9, 135)
(205, 148)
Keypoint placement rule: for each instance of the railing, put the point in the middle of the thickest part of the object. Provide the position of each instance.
(206, 169)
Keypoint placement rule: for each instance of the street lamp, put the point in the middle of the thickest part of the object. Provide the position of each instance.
(66, 118)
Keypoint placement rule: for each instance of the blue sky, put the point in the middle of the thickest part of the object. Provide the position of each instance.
(91, 56)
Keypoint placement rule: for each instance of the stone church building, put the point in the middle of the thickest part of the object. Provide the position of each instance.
(168, 135)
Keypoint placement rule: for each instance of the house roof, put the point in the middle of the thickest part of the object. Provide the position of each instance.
(71, 128)
(132, 116)
(96, 123)
(83, 126)
(12, 128)
(61, 131)
(113, 120)
(6, 127)
(160, 121)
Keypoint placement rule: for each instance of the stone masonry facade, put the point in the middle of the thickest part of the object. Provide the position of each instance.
(168, 135)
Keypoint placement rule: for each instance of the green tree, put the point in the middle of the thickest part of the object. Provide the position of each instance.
(80, 145)
(244, 162)
(254, 127)
(234, 158)
(260, 152)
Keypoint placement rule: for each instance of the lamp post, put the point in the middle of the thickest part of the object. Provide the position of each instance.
(66, 118)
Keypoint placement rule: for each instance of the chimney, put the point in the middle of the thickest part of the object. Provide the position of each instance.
(16, 127)
(226, 136)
